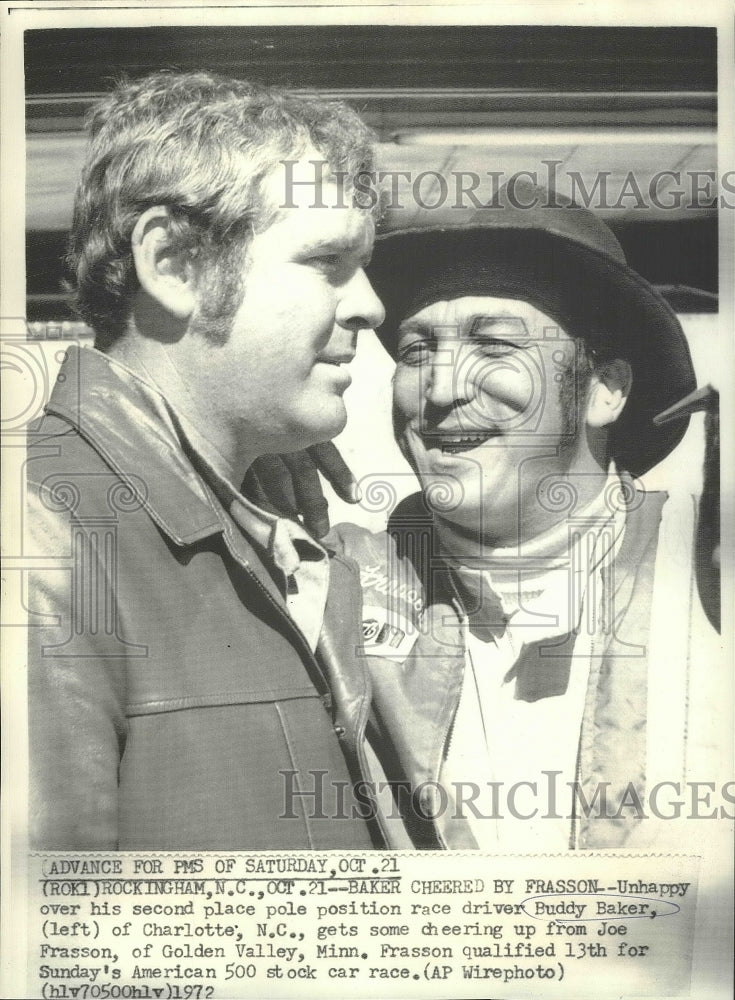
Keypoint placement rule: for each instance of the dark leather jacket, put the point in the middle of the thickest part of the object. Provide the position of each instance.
(174, 704)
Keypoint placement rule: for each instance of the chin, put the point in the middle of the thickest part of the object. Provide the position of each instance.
(327, 426)
(465, 516)
(446, 497)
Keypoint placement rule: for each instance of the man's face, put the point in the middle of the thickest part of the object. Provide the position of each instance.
(279, 378)
(485, 410)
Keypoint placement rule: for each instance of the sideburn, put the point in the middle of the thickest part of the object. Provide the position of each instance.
(222, 285)
(574, 383)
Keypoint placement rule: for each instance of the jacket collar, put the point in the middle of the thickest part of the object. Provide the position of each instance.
(129, 424)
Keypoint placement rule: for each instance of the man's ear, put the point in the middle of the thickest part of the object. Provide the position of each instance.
(609, 391)
(164, 271)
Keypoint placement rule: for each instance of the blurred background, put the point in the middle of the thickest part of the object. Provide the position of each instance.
(572, 104)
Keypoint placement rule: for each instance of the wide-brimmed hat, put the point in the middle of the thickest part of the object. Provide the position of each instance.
(539, 247)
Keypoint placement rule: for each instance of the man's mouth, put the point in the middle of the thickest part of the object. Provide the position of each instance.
(337, 357)
(454, 444)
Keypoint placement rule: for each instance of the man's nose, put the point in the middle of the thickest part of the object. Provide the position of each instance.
(442, 386)
(359, 307)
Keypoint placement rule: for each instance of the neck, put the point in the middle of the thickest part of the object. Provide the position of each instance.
(543, 530)
(167, 368)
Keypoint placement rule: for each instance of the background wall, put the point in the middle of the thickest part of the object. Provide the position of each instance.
(596, 100)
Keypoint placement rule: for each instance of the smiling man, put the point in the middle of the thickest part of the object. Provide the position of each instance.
(187, 649)
(529, 619)
(478, 379)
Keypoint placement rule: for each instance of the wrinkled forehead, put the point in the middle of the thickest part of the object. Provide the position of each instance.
(461, 314)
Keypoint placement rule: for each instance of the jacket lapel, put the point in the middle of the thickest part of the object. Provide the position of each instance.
(338, 652)
(613, 740)
(136, 439)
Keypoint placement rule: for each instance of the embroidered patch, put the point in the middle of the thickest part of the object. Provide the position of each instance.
(389, 635)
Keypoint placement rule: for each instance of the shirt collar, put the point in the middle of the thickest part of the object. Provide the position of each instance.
(544, 586)
(285, 541)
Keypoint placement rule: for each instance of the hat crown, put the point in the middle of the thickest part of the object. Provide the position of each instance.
(539, 247)
(522, 204)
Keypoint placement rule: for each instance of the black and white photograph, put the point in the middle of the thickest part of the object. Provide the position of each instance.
(367, 513)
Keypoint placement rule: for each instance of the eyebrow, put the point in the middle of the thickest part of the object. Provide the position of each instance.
(470, 326)
(338, 245)
(474, 325)
(411, 326)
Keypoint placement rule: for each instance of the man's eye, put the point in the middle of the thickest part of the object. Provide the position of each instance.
(327, 261)
(418, 352)
(494, 348)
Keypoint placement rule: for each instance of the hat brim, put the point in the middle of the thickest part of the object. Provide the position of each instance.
(589, 293)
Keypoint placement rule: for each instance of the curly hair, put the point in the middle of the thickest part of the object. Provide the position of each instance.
(201, 145)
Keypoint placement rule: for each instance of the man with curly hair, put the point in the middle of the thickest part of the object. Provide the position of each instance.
(188, 656)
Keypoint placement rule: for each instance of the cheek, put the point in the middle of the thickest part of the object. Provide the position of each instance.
(514, 381)
(513, 395)
(550, 415)
(306, 293)
(291, 297)
(404, 411)
(406, 393)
